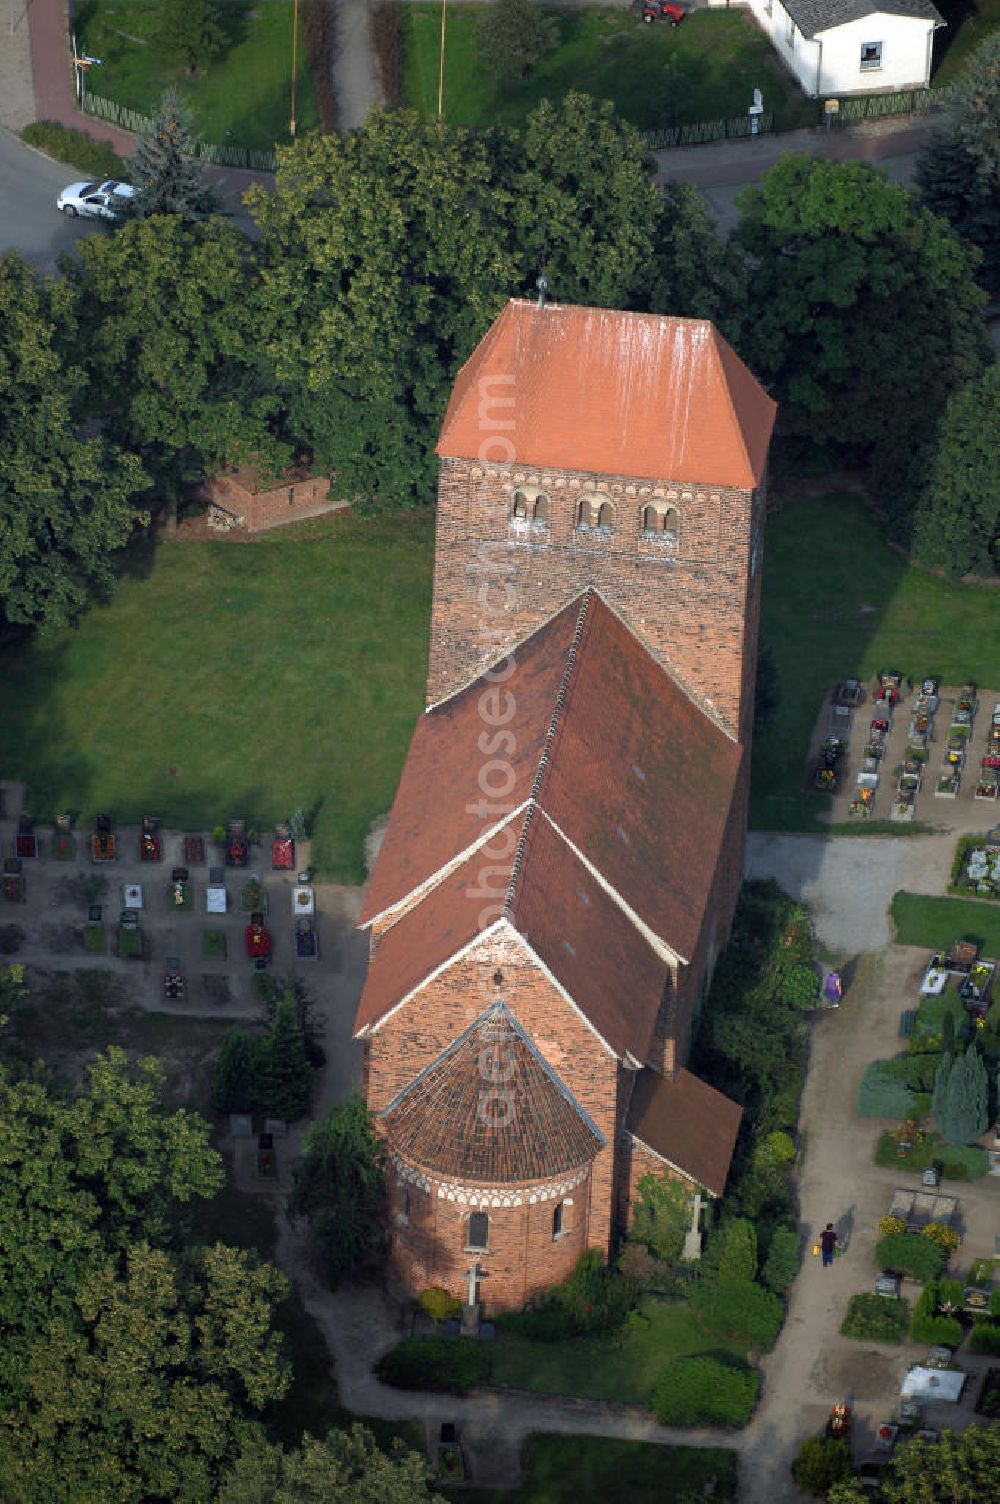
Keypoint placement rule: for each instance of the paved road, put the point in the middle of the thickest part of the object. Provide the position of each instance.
(31, 223)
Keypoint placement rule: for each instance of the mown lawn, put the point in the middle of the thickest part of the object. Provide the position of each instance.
(837, 601)
(935, 922)
(970, 22)
(242, 97)
(705, 70)
(619, 1366)
(235, 681)
(595, 1469)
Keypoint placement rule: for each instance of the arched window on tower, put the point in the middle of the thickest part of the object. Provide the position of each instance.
(519, 510)
(650, 521)
(541, 515)
(671, 531)
(558, 1220)
(605, 516)
(589, 510)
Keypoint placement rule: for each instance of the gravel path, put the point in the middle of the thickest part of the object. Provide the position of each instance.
(355, 76)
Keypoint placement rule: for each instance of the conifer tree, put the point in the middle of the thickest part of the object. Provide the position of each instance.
(959, 1105)
(283, 1070)
(163, 171)
(235, 1073)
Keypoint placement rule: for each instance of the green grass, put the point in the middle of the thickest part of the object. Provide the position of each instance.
(837, 601)
(129, 942)
(968, 26)
(705, 70)
(213, 943)
(593, 1469)
(235, 681)
(620, 1366)
(93, 939)
(240, 98)
(936, 922)
(968, 1159)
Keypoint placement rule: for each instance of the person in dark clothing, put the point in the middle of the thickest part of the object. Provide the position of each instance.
(828, 1241)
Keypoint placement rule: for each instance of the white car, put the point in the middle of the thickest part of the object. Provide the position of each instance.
(95, 200)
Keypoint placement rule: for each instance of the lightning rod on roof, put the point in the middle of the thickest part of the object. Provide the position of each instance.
(543, 286)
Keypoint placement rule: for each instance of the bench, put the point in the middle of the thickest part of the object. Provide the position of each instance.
(907, 1022)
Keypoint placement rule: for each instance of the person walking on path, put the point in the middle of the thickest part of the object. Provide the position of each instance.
(828, 1241)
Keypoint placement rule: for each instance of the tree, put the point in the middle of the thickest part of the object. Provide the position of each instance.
(512, 35)
(959, 173)
(344, 1468)
(822, 1462)
(662, 1216)
(168, 321)
(311, 1024)
(163, 171)
(962, 1468)
(283, 1074)
(782, 1262)
(961, 1090)
(340, 1188)
(235, 1077)
(732, 1252)
(188, 31)
(856, 295)
(382, 267)
(693, 273)
(145, 1393)
(578, 203)
(956, 524)
(66, 504)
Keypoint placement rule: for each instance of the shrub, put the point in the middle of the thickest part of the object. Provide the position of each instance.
(438, 1304)
(985, 1338)
(450, 1364)
(732, 1253)
(875, 1318)
(219, 835)
(775, 1151)
(995, 1302)
(235, 1077)
(889, 1227)
(80, 150)
(944, 1237)
(936, 1331)
(738, 1309)
(981, 1271)
(910, 1253)
(662, 1216)
(932, 1322)
(703, 1391)
(782, 1263)
(822, 1462)
(213, 943)
(595, 1298)
(881, 1094)
(799, 987)
(643, 1270)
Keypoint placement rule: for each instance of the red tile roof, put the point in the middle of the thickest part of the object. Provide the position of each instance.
(600, 390)
(688, 1122)
(491, 1111)
(577, 931)
(628, 767)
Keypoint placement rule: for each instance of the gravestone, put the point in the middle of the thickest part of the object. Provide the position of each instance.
(241, 1125)
(276, 1127)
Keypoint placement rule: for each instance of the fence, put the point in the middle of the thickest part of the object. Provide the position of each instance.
(219, 156)
(700, 131)
(874, 106)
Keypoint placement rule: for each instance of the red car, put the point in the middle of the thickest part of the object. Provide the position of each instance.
(663, 10)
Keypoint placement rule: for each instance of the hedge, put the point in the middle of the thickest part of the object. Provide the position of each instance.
(985, 1338)
(704, 1392)
(452, 1364)
(875, 1318)
(73, 146)
(909, 1253)
(738, 1309)
(881, 1093)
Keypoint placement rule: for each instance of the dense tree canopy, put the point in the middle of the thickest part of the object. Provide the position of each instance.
(168, 331)
(512, 35)
(863, 313)
(956, 524)
(188, 30)
(66, 503)
(345, 1468)
(340, 1188)
(962, 1468)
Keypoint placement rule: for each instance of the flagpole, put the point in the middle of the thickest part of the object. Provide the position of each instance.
(444, 8)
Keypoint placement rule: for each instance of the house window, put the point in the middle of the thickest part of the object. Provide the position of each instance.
(404, 1207)
(557, 1220)
(479, 1232)
(871, 56)
(291, 496)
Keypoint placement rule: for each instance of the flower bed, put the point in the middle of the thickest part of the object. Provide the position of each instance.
(94, 941)
(947, 785)
(180, 896)
(449, 1461)
(64, 846)
(253, 896)
(150, 847)
(237, 851)
(283, 854)
(14, 887)
(103, 846)
(194, 849)
(876, 1318)
(213, 943)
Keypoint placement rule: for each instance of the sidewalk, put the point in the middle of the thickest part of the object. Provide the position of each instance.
(17, 97)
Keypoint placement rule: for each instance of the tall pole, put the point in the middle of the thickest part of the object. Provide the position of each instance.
(295, 63)
(444, 8)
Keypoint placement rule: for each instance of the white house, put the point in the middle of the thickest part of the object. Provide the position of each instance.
(852, 46)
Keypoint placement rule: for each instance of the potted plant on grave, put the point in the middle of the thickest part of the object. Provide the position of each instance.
(253, 895)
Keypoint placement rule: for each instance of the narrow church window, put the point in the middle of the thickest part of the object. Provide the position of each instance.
(606, 515)
(557, 1220)
(670, 525)
(520, 506)
(585, 513)
(291, 496)
(542, 509)
(479, 1231)
(650, 520)
(404, 1208)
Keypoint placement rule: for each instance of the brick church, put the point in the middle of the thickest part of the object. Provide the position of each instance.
(566, 846)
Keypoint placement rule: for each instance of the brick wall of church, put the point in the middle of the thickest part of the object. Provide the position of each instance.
(444, 1007)
(496, 579)
(431, 1247)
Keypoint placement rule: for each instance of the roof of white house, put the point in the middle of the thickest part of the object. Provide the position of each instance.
(815, 16)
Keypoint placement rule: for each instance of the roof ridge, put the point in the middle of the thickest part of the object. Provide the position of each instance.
(550, 734)
(727, 392)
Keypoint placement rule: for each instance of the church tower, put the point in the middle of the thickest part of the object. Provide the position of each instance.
(585, 447)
